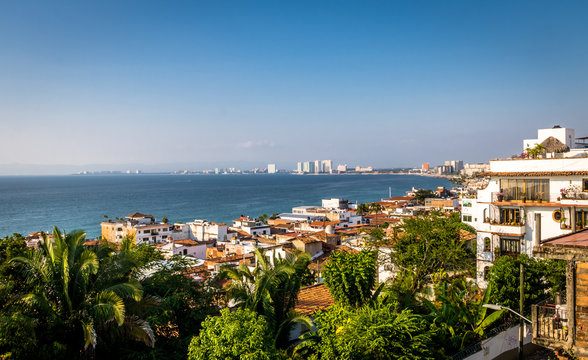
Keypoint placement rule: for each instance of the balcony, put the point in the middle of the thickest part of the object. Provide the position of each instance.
(550, 324)
(512, 228)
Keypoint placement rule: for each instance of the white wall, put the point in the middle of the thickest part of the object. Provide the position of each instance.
(501, 343)
(532, 165)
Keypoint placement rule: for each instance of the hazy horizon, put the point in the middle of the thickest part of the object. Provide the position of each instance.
(199, 84)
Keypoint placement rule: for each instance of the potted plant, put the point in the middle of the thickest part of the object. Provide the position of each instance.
(500, 196)
(524, 199)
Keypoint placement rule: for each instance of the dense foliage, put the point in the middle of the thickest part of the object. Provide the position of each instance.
(270, 290)
(68, 300)
(234, 335)
(425, 245)
(542, 277)
(351, 277)
(373, 333)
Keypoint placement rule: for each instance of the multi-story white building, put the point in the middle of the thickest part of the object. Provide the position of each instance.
(142, 227)
(201, 230)
(251, 226)
(271, 168)
(527, 200)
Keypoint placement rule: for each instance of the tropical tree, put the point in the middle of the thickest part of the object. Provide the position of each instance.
(461, 317)
(373, 332)
(75, 301)
(271, 290)
(541, 276)
(420, 195)
(424, 245)
(242, 334)
(351, 277)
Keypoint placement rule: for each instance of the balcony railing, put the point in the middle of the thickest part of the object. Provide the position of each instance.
(550, 323)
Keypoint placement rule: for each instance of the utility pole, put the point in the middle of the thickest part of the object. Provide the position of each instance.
(521, 305)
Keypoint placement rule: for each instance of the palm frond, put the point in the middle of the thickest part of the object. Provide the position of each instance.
(109, 306)
(89, 333)
(130, 289)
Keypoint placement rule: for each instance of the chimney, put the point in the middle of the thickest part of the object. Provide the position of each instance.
(537, 233)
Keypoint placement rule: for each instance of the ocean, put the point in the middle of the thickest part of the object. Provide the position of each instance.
(37, 203)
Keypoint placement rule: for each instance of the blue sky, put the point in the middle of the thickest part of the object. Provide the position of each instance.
(195, 84)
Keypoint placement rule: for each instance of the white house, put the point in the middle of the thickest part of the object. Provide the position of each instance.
(526, 200)
(185, 247)
(251, 226)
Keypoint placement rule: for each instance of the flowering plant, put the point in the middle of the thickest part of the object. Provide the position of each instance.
(571, 192)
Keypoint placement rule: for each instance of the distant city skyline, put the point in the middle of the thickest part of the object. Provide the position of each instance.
(159, 86)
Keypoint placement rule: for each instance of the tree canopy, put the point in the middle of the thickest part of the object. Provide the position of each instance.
(351, 277)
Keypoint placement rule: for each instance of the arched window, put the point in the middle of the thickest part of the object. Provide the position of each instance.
(487, 244)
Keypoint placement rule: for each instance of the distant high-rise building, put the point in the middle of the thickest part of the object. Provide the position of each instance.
(425, 166)
(271, 168)
(299, 168)
(317, 166)
(327, 166)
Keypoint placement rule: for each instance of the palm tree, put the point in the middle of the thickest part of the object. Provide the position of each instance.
(271, 290)
(68, 290)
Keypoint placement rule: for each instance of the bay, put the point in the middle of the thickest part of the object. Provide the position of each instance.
(37, 203)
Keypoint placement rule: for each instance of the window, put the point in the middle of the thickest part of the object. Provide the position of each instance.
(530, 189)
(584, 184)
(487, 244)
(467, 218)
(582, 219)
(557, 215)
(510, 245)
(510, 216)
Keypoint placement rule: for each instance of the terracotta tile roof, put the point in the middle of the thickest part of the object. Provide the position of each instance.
(577, 239)
(313, 298)
(324, 223)
(306, 240)
(187, 242)
(138, 215)
(465, 235)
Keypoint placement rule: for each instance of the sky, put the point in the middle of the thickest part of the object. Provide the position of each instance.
(165, 85)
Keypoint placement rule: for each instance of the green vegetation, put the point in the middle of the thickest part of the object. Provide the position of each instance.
(242, 334)
(425, 245)
(69, 300)
(270, 290)
(541, 277)
(420, 195)
(351, 277)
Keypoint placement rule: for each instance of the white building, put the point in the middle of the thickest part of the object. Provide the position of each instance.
(152, 233)
(271, 168)
(342, 168)
(564, 135)
(526, 200)
(201, 230)
(251, 226)
(335, 203)
(185, 247)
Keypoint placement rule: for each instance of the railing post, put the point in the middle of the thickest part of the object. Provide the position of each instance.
(571, 301)
(535, 320)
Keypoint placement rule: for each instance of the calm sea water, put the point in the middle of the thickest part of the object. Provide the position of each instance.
(29, 204)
